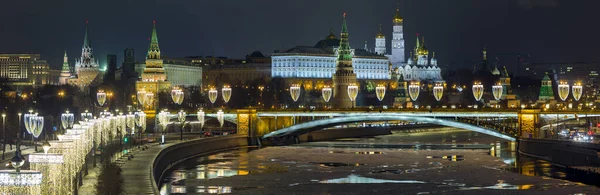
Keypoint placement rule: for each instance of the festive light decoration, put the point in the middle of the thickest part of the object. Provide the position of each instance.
(563, 90)
(352, 92)
(497, 91)
(149, 98)
(477, 91)
(140, 120)
(181, 116)
(141, 96)
(101, 97)
(221, 117)
(577, 91)
(28, 122)
(212, 95)
(438, 91)
(200, 116)
(163, 119)
(21, 178)
(39, 125)
(46, 158)
(413, 90)
(177, 96)
(326, 93)
(67, 119)
(86, 116)
(380, 92)
(295, 92)
(226, 93)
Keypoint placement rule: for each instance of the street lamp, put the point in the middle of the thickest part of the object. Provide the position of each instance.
(181, 117)
(149, 99)
(141, 95)
(497, 91)
(212, 95)
(380, 92)
(477, 91)
(438, 91)
(414, 89)
(563, 90)
(140, 121)
(352, 93)
(577, 91)
(163, 119)
(295, 92)
(101, 97)
(326, 93)
(3, 134)
(201, 118)
(67, 119)
(177, 95)
(226, 93)
(221, 117)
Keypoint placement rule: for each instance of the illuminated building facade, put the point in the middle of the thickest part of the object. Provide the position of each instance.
(153, 78)
(86, 67)
(26, 70)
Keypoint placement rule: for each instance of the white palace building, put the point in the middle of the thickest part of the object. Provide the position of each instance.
(319, 61)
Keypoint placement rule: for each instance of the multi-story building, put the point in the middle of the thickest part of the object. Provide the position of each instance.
(582, 72)
(183, 75)
(26, 70)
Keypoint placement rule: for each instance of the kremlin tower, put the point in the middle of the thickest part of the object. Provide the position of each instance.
(65, 73)
(153, 77)
(344, 74)
(86, 67)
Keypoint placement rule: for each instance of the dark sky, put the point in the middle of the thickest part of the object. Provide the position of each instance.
(457, 30)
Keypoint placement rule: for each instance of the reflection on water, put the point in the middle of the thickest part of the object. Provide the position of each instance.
(501, 186)
(184, 178)
(364, 180)
(525, 165)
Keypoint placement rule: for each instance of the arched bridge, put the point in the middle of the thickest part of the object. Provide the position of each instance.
(306, 127)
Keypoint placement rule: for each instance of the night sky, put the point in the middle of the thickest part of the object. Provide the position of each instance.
(457, 30)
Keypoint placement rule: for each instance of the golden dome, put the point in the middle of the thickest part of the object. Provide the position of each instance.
(331, 35)
(397, 17)
(380, 34)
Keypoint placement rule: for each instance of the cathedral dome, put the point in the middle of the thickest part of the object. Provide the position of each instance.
(496, 71)
(397, 17)
(331, 35)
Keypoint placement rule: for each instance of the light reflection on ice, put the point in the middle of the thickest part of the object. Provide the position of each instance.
(359, 179)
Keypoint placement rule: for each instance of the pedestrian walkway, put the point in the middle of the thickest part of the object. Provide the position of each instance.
(136, 172)
(8, 154)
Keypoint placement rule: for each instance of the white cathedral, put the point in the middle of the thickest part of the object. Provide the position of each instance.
(319, 61)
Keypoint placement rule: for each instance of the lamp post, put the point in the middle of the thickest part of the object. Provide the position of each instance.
(380, 92)
(163, 119)
(563, 90)
(438, 91)
(200, 116)
(414, 88)
(3, 134)
(212, 95)
(497, 91)
(226, 93)
(181, 117)
(140, 121)
(177, 95)
(352, 93)
(295, 92)
(477, 91)
(326, 93)
(577, 91)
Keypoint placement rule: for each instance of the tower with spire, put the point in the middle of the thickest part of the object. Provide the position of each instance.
(153, 77)
(397, 56)
(65, 72)
(86, 67)
(380, 42)
(344, 74)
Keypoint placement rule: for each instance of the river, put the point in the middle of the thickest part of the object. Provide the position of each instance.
(448, 161)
